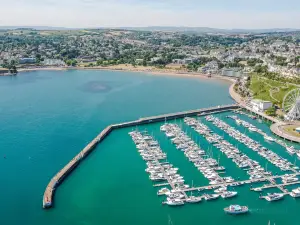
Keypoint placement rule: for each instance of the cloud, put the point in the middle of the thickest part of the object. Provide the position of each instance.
(115, 13)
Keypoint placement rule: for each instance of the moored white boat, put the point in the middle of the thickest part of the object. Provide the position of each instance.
(209, 197)
(229, 194)
(295, 193)
(291, 150)
(174, 202)
(193, 199)
(268, 138)
(273, 197)
(163, 191)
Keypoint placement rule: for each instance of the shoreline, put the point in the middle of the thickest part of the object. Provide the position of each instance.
(276, 126)
(146, 70)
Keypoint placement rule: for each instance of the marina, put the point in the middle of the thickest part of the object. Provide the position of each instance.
(172, 184)
(205, 150)
(59, 177)
(219, 182)
(290, 149)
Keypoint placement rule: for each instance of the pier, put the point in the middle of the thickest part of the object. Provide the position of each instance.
(236, 183)
(65, 171)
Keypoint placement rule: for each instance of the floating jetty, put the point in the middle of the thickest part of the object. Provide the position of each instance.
(64, 172)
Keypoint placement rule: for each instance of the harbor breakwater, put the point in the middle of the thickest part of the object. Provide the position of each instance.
(64, 172)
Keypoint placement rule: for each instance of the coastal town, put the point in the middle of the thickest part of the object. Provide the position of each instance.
(229, 54)
(150, 112)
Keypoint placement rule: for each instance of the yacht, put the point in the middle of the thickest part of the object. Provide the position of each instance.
(257, 189)
(193, 199)
(236, 209)
(253, 129)
(174, 202)
(219, 168)
(175, 196)
(268, 138)
(220, 190)
(209, 197)
(229, 194)
(295, 193)
(291, 150)
(289, 179)
(163, 191)
(274, 197)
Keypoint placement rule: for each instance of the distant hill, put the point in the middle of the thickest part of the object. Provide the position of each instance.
(162, 28)
(33, 28)
(210, 30)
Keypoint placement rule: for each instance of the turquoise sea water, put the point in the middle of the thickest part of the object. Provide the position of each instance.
(48, 117)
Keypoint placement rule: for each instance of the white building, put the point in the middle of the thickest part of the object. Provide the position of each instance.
(27, 60)
(260, 105)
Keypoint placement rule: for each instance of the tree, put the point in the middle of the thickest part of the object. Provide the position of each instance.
(271, 111)
(38, 58)
(14, 69)
(71, 62)
(144, 62)
(99, 62)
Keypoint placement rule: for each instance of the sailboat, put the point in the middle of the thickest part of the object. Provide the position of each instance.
(193, 199)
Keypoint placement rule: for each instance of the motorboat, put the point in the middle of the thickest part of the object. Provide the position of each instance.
(219, 168)
(289, 179)
(209, 197)
(236, 209)
(163, 191)
(220, 190)
(274, 197)
(295, 193)
(175, 196)
(257, 189)
(291, 150)
(268, 138)
(174, 202)
(193, 199)
(229, 194)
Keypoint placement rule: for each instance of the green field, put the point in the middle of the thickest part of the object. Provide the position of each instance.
(270, 90)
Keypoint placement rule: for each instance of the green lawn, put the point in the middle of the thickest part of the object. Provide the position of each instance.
(261, 87)
(292, 130)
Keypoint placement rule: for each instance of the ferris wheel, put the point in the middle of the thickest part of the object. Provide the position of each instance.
(291, 104)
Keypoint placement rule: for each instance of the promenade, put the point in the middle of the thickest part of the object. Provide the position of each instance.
(277, 129)
(235, 96)
(277, 125)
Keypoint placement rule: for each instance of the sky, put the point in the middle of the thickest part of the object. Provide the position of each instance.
(228, 14)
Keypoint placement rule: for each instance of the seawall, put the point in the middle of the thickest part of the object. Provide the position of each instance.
(64, 172)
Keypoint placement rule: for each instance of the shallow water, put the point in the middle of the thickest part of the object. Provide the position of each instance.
(47, 117)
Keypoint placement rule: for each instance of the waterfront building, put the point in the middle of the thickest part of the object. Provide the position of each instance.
(53, 62)
(139, 61)
(260, 105)
(232, 72)
(27, 60)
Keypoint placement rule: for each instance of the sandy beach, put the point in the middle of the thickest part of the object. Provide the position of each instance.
(139, 69)
(41, 68)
